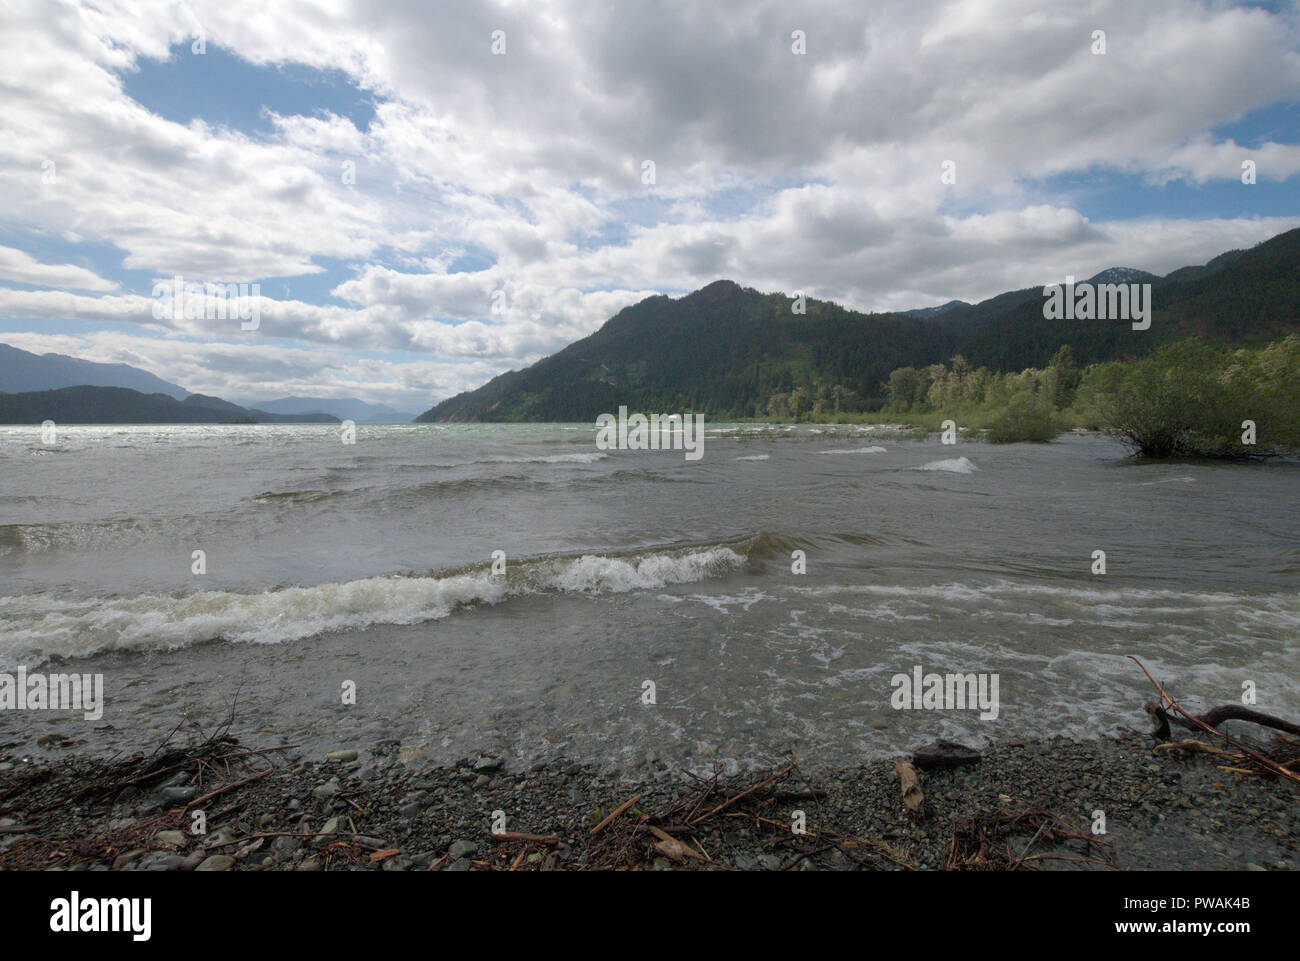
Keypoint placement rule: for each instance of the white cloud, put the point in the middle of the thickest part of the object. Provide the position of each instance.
(18, 265)
(816, 172)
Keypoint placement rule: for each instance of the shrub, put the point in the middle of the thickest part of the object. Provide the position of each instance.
(1023, 420)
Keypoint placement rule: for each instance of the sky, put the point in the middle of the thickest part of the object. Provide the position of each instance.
(428, 195)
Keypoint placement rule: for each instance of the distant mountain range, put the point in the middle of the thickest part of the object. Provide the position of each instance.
(120, 405)
(725, 350)
(22, 371)
(344, 408)
(32, 383)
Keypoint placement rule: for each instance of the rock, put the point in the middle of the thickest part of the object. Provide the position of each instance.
(217, 862)
(409, 810)
(122, 860)
(459, 866)
(286, 845)
(329, 827)
(944, 754)
(174, 838)
(326, 790)
(179, 794)
(162, 861)
(409, 754)
(485, 763)
(341, 756)
(193, 861)
(462, 849)
(311, 864)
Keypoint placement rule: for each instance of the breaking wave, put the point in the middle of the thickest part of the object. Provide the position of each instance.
(39, 626)
(958, 465)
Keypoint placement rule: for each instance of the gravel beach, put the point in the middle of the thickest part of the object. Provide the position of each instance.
(387, 810)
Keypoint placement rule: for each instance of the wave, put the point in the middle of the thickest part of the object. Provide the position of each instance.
(754, 457)
(854, 450)
(41, 626)
(957, 465)
(72, 535)
(589, 457)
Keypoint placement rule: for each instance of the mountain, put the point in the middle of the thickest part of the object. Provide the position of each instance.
(1123, 275)
(937, 311)
(23, 371)
(235, 412)
(344, 408)
(722, 350)
(121, 405)
(725, 350)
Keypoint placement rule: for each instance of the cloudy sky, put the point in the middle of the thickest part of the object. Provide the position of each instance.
(391, 172)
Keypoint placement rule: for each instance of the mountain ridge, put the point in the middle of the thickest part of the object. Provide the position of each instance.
(22, 371)
(90, 404)
(724, 350)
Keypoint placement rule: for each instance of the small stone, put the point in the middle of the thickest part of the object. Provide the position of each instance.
(326, 790)
(329, 827)
(167, 862)
(122, 860)
(217, 862)
(174, 838)
(341, 756)
(462, 849)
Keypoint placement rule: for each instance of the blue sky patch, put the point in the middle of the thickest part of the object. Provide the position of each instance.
(225, 90)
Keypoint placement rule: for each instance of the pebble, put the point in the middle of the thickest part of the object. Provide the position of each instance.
(217, 862)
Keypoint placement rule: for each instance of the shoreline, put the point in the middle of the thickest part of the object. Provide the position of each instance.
(1029, 805)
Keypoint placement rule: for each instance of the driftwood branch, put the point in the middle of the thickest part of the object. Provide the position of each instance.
(1168, 702)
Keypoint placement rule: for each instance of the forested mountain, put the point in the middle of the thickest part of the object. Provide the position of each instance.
(120, 405)
(728, 351)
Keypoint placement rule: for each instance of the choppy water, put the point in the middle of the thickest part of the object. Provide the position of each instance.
(370, 563)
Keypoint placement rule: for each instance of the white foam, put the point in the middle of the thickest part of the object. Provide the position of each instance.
(957, 465)
(754, 457)
(854, 450)
(584, 458)
(38, 626)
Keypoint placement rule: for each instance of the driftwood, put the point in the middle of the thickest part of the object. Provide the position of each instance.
(1168, 710)
(944, 754)
(1213, 718)
(910, 784)
(613, 815)
(518, 836)
(984, 842)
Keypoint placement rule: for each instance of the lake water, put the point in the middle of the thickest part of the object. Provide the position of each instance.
(370, 563)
